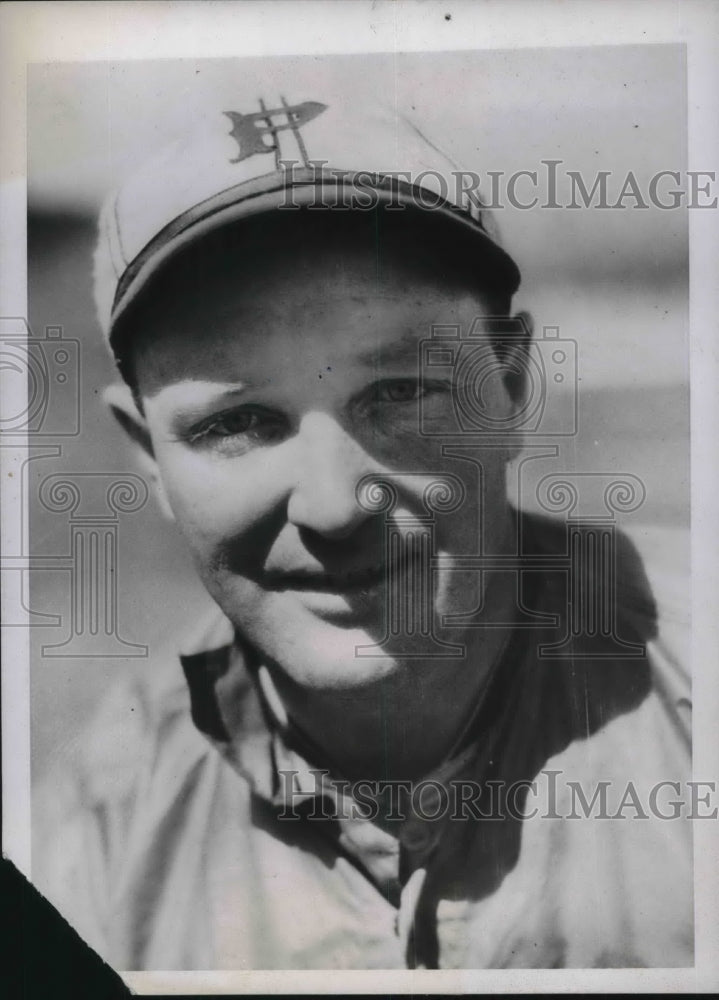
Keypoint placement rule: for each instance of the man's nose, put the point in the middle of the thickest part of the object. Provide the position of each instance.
(329, 463)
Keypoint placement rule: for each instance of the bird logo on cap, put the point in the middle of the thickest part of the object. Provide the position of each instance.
(249, 130)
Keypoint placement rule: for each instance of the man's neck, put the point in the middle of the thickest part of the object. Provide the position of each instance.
(405, 724)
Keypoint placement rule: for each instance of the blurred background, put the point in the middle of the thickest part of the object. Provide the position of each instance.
(614, 281)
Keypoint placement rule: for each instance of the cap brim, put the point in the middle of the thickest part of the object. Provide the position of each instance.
(273, 193)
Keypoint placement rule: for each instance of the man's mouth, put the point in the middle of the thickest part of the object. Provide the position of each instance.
(347, 582)
(361, 595)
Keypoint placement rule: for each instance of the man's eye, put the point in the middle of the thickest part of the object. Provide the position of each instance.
(404, 390)
(248, 424)
(239, 422)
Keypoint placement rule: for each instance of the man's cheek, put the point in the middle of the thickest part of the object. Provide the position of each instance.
(205, 510)
(225, 538)
(424, 451)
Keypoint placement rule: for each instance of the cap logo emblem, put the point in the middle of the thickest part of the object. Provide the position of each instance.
(249, 130)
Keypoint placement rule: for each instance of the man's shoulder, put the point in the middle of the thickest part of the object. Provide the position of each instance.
(135, 750)
(143, 714)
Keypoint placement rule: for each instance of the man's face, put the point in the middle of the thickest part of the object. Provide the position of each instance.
(266, 405)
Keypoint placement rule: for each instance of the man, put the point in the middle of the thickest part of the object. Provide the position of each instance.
(374, 756)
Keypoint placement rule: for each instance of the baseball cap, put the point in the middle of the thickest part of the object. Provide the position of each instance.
(279, 155)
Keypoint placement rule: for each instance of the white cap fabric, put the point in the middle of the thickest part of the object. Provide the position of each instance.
(241, 163)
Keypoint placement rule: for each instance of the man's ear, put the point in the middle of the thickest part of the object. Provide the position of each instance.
(121, 403)
(515, 357)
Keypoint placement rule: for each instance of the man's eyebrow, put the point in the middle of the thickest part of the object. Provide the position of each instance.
(197, 393)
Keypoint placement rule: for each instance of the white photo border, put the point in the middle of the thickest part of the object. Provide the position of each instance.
(44, 32)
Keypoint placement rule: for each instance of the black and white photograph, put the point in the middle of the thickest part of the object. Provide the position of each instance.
(351, 536)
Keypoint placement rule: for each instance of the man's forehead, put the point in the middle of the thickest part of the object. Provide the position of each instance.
(326, 287)
(228, 295)
(338, 338)
(326, 253)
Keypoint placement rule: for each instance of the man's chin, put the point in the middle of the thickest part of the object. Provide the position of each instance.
(321, 640)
